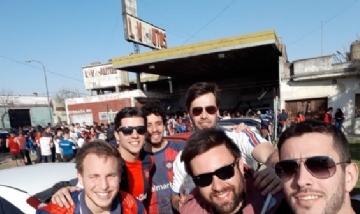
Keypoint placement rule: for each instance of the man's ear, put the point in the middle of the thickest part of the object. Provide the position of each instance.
(351, 176)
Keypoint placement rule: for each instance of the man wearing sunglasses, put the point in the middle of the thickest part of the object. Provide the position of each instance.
(202, 101)
(316, 169)
(224, 183)
(164, 153)
(138, 165)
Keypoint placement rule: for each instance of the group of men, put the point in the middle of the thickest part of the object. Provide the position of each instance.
(214, 171)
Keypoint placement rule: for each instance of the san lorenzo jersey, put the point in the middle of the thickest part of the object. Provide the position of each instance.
(136, 177)
(162, 178)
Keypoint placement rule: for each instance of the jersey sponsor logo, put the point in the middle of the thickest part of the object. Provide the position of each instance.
(146, 173)
(142, 196)
(156, 188)
(169, 165)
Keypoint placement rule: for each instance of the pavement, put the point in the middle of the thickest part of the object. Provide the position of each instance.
(6, 162)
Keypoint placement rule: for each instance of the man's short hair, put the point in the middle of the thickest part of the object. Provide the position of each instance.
(202, 141)
(340, 143)
(128, 112)
(199, 89)
(154, 108)
(59, 130)
(99, 148)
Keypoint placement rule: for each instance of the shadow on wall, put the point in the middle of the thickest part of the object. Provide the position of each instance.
(345, 99)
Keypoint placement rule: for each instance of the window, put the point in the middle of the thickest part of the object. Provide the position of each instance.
(357, 105)
(7, 207)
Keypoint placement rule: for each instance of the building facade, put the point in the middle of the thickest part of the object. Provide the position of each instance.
(312, 85)
(103, 108)
(18, 111)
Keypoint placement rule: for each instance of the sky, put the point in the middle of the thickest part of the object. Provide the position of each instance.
(66, 35)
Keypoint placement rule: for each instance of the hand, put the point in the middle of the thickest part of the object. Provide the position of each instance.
(241, 127)
(267, 181)
(182, 198)
(62, 197)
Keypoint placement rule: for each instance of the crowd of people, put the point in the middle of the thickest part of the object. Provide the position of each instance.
(215, 171)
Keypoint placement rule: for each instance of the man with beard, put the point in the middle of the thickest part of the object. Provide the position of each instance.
(138, 165)
(164, 153)
(99, 168)
(224, 183)
(316, 169)
(202, 101)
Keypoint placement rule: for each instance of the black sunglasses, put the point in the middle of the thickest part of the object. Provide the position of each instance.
(320, 167)
(128, 130)
(196, 111)
(224, 173)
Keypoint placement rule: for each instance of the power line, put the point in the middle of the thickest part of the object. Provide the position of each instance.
(213, 19)
(167, 19)
(51, 72)
(313, 31)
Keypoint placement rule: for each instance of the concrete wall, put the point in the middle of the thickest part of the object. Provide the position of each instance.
(340, 95)
(312, 65)
(38, 115)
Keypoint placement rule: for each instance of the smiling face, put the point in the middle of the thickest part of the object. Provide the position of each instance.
(225, 196)
(204, 120)
(130, 145)
(308, 194)
(101, 178)
(155, 129)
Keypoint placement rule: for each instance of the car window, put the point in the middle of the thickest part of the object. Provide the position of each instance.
(7, 207)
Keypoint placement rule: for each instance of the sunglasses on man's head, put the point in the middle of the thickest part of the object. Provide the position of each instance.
(128, 130)
(224, 173)
(196, 111)
(320, 167)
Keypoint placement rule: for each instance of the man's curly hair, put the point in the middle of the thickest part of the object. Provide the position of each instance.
(153, 108)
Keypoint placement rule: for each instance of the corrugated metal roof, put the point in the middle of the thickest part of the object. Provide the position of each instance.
(23, 101)
(224, 44)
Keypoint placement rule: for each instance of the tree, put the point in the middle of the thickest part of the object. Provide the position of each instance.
(63, 94)
(5, 101)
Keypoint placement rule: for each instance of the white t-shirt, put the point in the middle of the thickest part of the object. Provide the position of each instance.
(245, 140)
(56, 142)
(45, 146)
(80, 142)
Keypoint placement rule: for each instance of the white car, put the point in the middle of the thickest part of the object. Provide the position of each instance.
(22, 189)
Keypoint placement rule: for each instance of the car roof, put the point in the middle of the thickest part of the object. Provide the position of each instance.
(36, 178)
(179, 137)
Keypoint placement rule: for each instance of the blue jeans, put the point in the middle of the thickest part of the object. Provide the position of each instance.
(46, 158)
(38, 155)
(338, 124)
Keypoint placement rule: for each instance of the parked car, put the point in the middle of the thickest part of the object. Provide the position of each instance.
(254, 124)
(23, 189)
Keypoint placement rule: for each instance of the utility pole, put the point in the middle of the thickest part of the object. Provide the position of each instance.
(321, 38)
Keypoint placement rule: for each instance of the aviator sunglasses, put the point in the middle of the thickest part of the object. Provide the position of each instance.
(196, 111)
(320, 167)
(224, 173)
(128, 130)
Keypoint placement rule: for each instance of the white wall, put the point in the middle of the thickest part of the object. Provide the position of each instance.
(340, 95)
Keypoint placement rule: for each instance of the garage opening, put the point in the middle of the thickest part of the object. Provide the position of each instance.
(19, 117)
(311, 108)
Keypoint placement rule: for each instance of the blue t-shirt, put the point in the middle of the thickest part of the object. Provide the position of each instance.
(66, 146)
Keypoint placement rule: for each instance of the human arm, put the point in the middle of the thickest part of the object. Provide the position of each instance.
(255, 149)
(178, 179)
(7, 143)
(61, 193)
